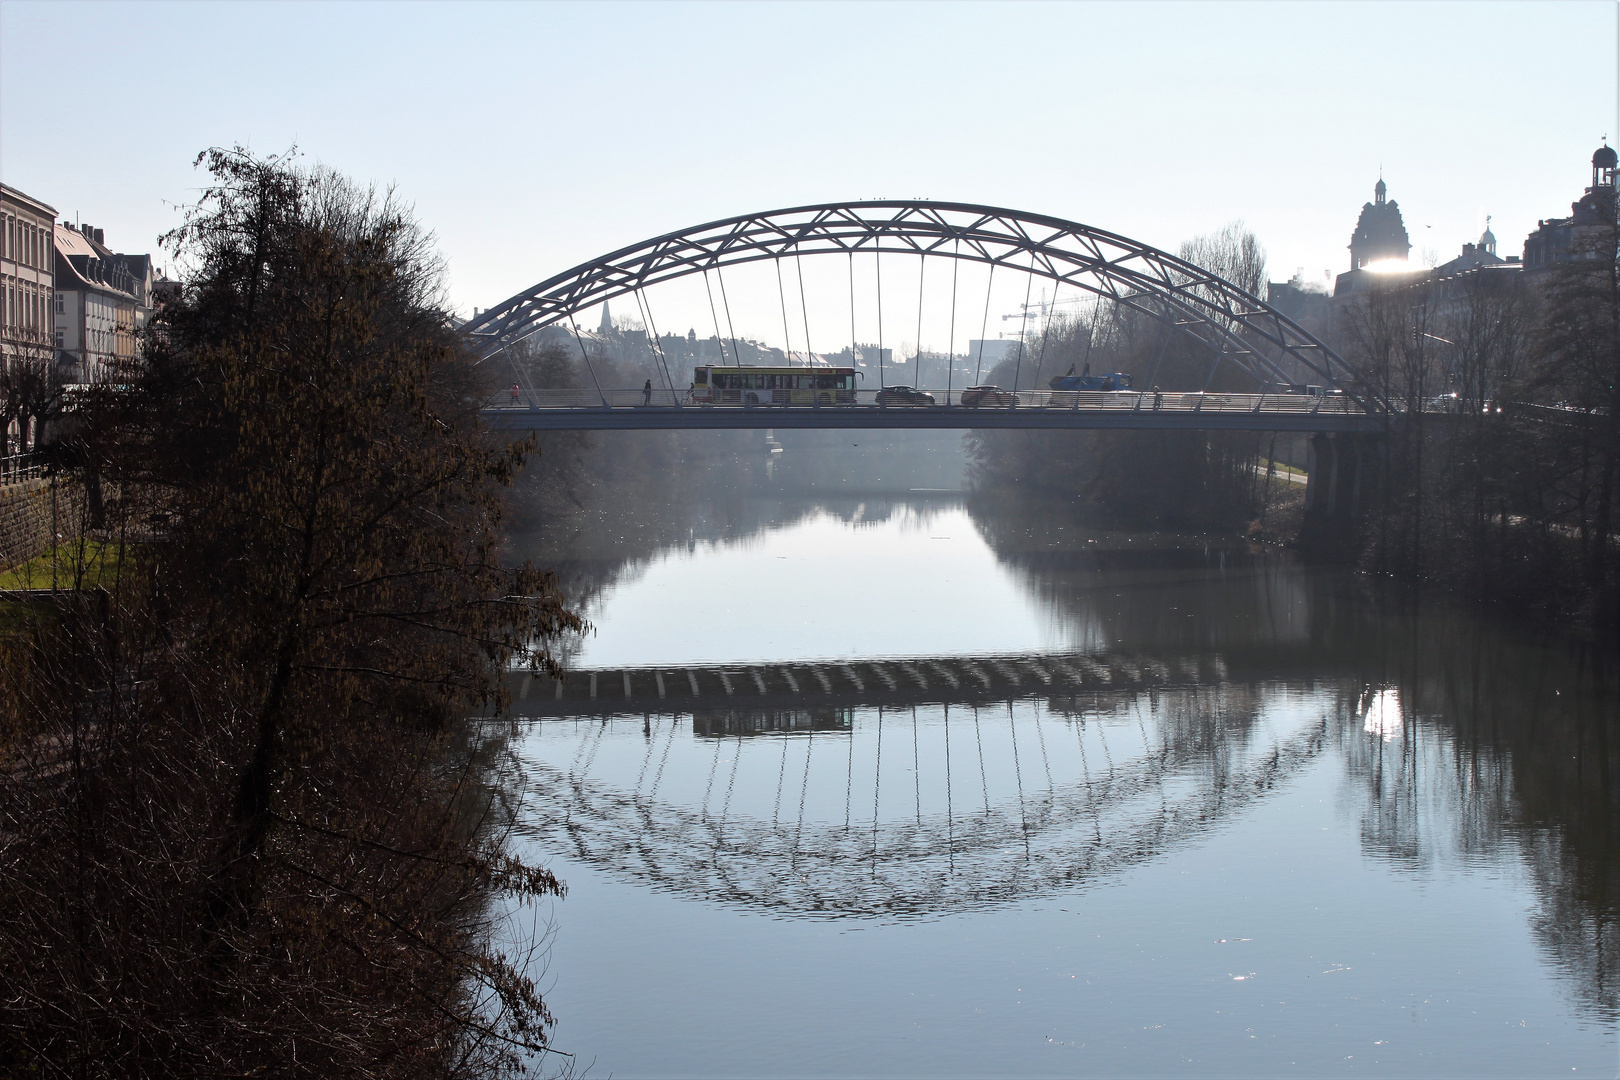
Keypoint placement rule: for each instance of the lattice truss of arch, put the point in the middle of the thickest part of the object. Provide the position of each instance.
(1236, 326)
(1127, 809)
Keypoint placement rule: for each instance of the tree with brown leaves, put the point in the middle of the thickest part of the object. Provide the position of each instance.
(246, 827)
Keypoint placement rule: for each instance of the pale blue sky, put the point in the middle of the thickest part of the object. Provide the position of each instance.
(533, 136)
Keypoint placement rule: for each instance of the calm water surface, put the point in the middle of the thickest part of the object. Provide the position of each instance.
(1265, 826)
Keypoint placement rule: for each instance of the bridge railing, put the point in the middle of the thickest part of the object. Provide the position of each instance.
(954, 399)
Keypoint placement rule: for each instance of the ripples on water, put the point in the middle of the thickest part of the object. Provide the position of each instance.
(1249, 822)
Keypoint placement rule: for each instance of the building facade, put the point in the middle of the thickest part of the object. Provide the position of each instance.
(27, 265)
(1589, 229)
(98, 305)
(27, 308)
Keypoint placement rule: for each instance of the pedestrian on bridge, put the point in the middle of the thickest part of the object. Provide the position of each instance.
(646, 393)
(514, 393)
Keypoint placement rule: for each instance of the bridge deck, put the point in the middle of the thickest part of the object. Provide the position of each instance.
(570, 410)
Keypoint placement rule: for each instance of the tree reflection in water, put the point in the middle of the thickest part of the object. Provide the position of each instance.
(1462, 745)
(1466, 740)
(1474, 748)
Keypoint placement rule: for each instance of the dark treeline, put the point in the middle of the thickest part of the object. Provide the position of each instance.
(1497, 472)
(1140, 479)
(1498, 468)
(244, 825)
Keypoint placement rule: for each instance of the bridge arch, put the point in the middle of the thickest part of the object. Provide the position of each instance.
(1236, 325)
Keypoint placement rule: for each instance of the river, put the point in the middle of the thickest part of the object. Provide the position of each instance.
(1208, 811)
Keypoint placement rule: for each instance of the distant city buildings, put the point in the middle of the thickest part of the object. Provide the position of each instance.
(1380, 249)
(990, 351)
(1476, 255)
(1591, 220)
(70, 309)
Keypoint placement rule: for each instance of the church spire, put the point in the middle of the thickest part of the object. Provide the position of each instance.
(607, 320)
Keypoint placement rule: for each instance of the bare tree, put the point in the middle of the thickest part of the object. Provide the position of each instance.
(1233, 253)
(31, 393)
(244, 822)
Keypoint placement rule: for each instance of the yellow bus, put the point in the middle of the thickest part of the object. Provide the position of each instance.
(716, 385)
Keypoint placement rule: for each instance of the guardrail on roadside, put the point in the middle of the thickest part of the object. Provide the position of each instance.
(1076, 400)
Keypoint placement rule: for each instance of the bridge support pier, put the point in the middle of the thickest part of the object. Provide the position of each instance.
(1341, 470)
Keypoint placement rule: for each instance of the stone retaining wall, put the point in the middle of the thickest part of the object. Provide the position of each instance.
(33, 514)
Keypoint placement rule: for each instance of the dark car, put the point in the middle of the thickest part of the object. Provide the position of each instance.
(903, 395)
(974, 396)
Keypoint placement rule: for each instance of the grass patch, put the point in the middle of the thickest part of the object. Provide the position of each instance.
(1285, 470)
(76, 564)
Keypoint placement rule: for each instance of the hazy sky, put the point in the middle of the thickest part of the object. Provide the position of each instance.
(531, 137)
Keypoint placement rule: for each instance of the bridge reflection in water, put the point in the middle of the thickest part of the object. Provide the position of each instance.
(1006, 786)
(1197, 687)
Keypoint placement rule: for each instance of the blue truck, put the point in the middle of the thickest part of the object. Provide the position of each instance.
(1114, 380)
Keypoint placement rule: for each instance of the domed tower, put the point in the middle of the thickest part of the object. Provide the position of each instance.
(1380, 233)
(1487, 239)
(1604, 162)
(1589, 231)
(1596, 209)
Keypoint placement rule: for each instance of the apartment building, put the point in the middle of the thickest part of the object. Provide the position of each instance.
(27, 265)
(98, 304)
(27, 312)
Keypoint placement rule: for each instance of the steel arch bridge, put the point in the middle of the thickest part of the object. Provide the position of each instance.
(1236, 326)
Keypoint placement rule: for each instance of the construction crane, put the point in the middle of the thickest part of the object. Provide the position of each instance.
(1042, 307)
